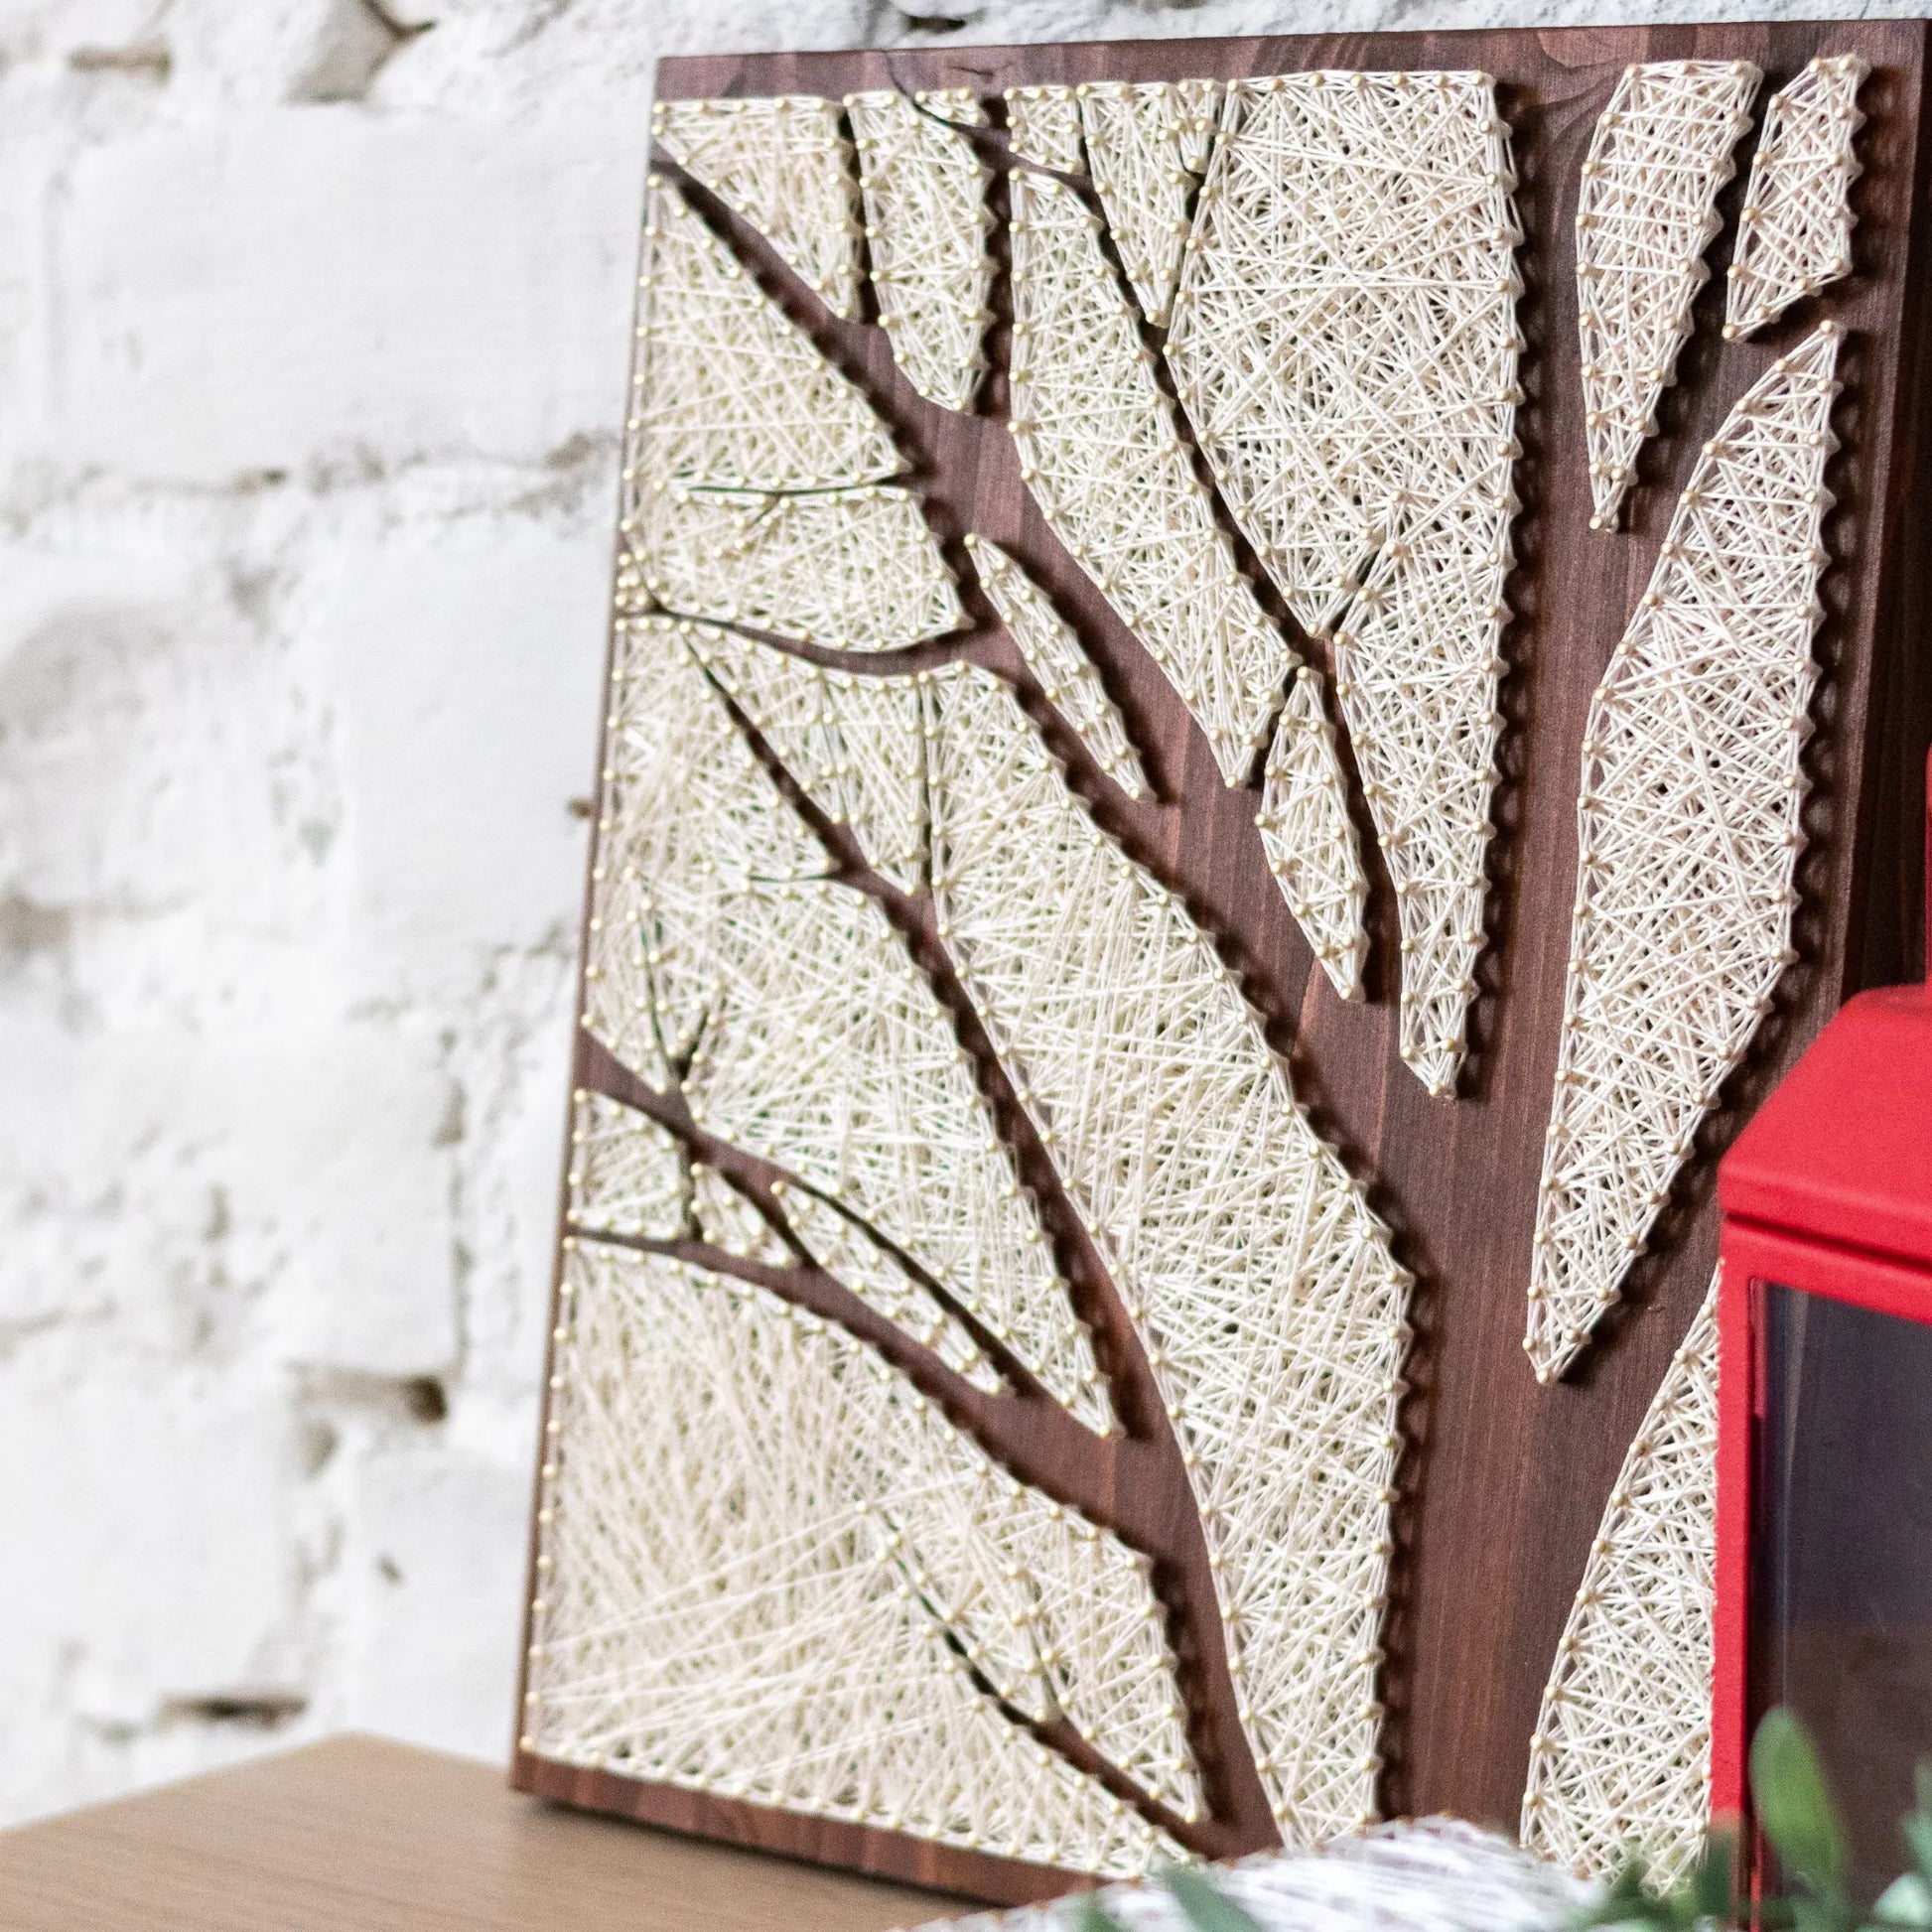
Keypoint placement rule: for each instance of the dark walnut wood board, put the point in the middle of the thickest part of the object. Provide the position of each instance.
(1504, 1481)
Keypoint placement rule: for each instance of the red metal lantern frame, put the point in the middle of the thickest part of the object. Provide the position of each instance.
(1828, 1190)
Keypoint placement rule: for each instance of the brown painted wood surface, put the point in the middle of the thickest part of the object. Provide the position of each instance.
(361, 1835)
(1504, 1481)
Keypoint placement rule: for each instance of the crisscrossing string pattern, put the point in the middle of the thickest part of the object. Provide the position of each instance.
(1794, 233)
(1346, 342)
(1148, 144)
(1621, 1753)
(781, 162)
(926, 221)
(1252, 1263)
(768, 1568)
(859, 961)
(757, 479)
(1689, 829)
(1646, 210)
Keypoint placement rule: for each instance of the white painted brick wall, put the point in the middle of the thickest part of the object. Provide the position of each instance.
(311, 352)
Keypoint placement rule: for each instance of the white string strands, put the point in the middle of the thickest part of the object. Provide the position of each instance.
(1099, 449)
(1309, 838)
(628, 1174)
(754, 477)
(1148, 144)
(1435, 1875)
(781, 163)
(1069, 678)
(809, 1037)
(630, 1177)
(1794, 235)
(1044, 127)
(856, 1260)
(830, 1056)
(857, 744)
(1253, 1267)
(851, 570)
(688, 821)
(926, 222)
(1689, 827)
(1621, 1754)
(727, 1220)
(765, 1562)
(1101, 454)
(725, 393)
(1646, 210)
(1346, 342)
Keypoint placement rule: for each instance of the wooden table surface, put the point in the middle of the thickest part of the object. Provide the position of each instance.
(358, 1835)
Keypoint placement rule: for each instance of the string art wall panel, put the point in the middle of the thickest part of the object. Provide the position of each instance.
(1257, 689)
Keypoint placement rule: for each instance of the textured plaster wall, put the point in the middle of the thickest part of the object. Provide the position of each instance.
(312, 346)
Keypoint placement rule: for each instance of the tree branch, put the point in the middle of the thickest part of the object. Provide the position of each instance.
(1061, 1735)
(760, 1181)
(1139, 1487)
(928, 654)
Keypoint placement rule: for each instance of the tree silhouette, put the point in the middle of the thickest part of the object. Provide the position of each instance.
(957, 1289)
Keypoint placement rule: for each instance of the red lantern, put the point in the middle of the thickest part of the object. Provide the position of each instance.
(1825, 1418)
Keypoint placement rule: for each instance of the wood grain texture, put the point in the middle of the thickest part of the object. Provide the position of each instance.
(359, 1835)
(1504, 1481)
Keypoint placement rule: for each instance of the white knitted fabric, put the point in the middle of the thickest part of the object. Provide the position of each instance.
(1437, 1875)
(1688, 830)
(768, 1569)
(1345, 343)
(1044, 126)
(927, 223)
(1148, 144)
(1646, 210)
(1250, 1260)
(752, 485)
(1794, 235)
(1067, 677)
(781, 163)
(1621, 1754)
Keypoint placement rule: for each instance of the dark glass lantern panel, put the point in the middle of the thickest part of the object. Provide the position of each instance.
(1842, 1554)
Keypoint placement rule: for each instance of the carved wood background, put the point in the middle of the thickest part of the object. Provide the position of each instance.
(1503, 1482)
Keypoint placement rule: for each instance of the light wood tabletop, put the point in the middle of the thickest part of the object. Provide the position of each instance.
(358, 1835)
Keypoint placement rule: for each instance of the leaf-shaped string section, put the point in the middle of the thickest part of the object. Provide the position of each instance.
(755, 477)
(1621, 1755)
(1646, 210)
(1148, 141)
(1263, 1284)
(1345, 343)
(781, 162)
(1794, 232)
(1689, 828)
(765, 1563)
(926, 221)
